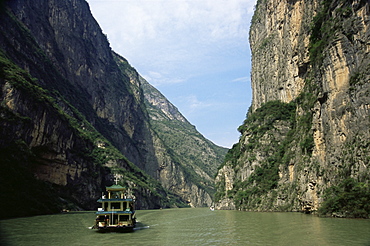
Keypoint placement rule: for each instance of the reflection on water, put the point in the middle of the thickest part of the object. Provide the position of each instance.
(189, 227)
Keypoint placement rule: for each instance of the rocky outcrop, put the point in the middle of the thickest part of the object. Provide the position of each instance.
(279, 37)
(313, 56)
(37, 139)
(76, 111)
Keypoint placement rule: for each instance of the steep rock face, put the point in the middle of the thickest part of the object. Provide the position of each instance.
(77, 48)
(186, 161)
(52, 158)
(38, 139)
(75, 112)
(279, 37)
(313, 57)
(61, 45)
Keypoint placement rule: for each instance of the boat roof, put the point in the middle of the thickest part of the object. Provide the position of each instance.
(114, 212)
(115, 188)
(116, 200)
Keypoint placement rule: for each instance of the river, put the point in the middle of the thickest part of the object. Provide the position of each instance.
(187, 226)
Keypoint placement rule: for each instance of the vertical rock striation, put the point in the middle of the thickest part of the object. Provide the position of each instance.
(306, 135)
(279, 41)
(73, 112)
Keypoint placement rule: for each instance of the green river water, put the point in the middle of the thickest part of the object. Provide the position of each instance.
(186, 226)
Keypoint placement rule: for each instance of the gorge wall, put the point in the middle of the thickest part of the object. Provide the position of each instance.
(73, 112)
(186, 160)
(305, 142)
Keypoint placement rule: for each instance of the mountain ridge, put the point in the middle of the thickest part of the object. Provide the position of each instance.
(74, 111)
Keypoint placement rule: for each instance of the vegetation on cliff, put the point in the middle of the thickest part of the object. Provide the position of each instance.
(184, 151)
(349, 195)
(246, 193)
(19, 161)
(184, 143)
(311, 152)
(72, 113)
(349, 198)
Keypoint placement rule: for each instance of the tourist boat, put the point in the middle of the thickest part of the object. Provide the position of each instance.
(117, 211)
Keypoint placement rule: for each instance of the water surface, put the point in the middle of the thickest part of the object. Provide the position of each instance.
(198, 226)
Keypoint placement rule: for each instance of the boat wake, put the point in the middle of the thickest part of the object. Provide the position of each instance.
(141, 228)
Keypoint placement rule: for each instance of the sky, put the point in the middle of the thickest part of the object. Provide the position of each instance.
(195, 52)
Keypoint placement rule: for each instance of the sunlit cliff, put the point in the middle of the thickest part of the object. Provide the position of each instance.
(304, 145)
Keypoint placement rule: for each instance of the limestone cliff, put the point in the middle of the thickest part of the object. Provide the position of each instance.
(72, 113)
(279, 39)
(305, 142)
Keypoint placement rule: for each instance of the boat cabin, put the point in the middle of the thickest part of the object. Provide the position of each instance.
(117, 209)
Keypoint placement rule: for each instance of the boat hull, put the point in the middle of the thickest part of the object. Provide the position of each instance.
(116, 229)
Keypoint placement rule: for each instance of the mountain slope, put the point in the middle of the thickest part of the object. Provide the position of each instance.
(187, 161)
(192, 152)
(73, 113)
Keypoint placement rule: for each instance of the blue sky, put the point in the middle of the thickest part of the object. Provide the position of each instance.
(196, 52)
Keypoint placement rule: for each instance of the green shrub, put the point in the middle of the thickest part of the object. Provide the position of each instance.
(349, 199)
(263, 118)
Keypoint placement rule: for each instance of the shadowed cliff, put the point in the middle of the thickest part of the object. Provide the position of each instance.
(73, 113)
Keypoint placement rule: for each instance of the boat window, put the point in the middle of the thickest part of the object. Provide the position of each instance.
(101, 218)
(115, 205)
(124, 217)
